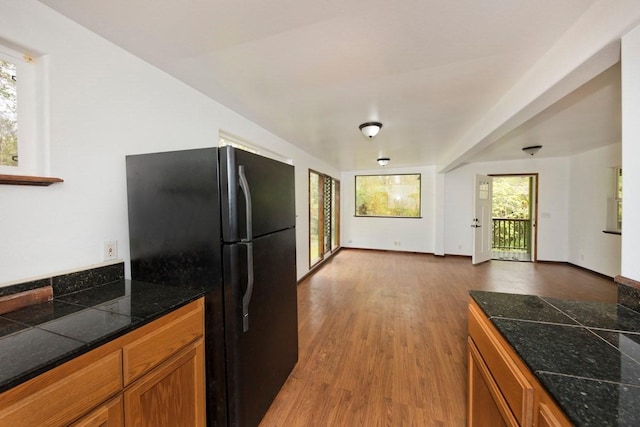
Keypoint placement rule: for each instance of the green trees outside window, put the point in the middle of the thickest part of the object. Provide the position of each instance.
(8, 115)
(395, 196)
(324, 216)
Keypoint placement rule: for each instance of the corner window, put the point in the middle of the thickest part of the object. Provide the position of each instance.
(8, 113)
(22, 112)
(618, 199)
(614, 202)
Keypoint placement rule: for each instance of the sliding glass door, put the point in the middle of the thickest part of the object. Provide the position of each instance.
(324, 216)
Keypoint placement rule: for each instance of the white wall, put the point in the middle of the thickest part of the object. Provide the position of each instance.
(104, 104)
(572, 203)
(414, 234)
(553, 190)
(591, 186)
(630, 72)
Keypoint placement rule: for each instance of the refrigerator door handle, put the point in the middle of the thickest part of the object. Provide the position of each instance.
(246, 298)
(244, 185)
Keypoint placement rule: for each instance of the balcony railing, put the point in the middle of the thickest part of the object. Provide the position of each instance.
(511, 234)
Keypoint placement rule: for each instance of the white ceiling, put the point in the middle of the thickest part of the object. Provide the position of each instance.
(312, 71)
(588, 118)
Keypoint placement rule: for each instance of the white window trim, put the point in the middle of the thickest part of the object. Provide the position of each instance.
(225, 139)
(616, 200)
(612, 201)
(33, 135)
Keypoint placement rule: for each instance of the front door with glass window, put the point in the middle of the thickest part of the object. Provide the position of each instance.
(481, 222)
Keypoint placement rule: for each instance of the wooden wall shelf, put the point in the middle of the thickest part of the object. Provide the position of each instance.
(41, 181)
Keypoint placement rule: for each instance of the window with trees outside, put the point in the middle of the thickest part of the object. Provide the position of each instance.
(8, 113)
(22, 110)
(324, 216)
(614, 201)
(396, 196)
(618, 200)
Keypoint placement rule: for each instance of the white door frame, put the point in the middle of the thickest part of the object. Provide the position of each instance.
(481, 222)
(533, 201)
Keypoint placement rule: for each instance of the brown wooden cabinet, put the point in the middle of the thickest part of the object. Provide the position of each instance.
(549, 415)
(149, 377)
(486, 406)
(109, 414)
(501, 389)
(171, 395)
(59, 396)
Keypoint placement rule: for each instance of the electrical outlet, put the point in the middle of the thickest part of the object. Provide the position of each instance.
(110, 250)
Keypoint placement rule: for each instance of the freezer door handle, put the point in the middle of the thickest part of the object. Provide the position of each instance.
(246, 298)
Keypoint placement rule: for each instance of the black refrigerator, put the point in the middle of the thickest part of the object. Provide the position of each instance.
(223, 220)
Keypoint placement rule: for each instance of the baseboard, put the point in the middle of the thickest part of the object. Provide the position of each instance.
(387, 250)
(579, 267)
(401, 251)
(456, 256)
(317, 267)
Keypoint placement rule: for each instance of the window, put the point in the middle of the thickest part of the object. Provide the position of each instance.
(396, 196)
(22, 142)
(614, 202)
(8, 113)
(324, 216)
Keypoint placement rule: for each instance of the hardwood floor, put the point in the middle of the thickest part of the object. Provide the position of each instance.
(383, 335)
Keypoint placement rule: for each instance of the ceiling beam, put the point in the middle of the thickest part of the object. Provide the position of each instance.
(588, 48)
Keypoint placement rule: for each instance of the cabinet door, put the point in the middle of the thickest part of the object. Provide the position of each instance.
(173, 394)
(109, 414)
(513, 385)
(486, 406)
(550, 415)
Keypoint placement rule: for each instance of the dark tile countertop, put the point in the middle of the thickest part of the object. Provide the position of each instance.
(586, 354)
(40, 337)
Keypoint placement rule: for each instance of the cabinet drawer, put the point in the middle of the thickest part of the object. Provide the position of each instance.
(160, 339)
(516, 389)
(60, 395)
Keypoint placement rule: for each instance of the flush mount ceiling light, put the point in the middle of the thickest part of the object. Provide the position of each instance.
(370, 129)
(531, 150)
(383, 161)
